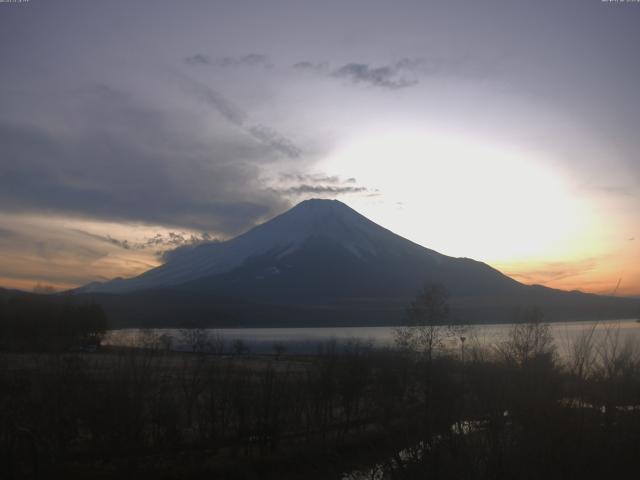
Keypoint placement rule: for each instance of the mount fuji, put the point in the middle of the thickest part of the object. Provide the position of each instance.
(322, 263)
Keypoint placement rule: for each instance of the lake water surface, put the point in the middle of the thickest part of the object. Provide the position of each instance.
(308, 340)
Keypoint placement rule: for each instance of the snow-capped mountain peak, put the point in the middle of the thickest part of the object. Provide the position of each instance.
(329, 220)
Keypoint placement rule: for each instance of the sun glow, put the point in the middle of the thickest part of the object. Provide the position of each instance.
(467, 198)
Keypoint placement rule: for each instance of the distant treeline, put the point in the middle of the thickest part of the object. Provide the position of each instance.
(170, 309)
(39, 323)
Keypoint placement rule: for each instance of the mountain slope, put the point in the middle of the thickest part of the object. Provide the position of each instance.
(323, 263)
(309, 238)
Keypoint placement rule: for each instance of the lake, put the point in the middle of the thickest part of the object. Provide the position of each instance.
(307, 340)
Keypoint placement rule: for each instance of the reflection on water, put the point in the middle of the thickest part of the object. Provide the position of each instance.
(383, 470)
(307, 340)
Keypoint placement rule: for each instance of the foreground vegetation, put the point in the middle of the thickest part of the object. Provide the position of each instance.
(511, 411)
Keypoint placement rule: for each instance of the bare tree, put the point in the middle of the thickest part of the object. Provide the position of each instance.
(196, 340)
(427, 318)
(528, 339)
(240, 347)
(279, 349)
(581, 354)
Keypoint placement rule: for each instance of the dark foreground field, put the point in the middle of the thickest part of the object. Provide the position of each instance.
(511, 412)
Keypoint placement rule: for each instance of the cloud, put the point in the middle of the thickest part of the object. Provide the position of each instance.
(270, 137)
(104, 238)
(317, 67)
(116, 157)
(386, 77)
(403, 73)
(314, 177)
(229, 111)
(236, 116)
(198, 59)
(555, 271)
(66, 252)
(249, 60)
(320, 190)
(6, 233)
(298, 184)
(158, 242)
(460, 66)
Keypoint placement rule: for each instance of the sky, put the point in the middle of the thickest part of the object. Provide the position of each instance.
(502, 131)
